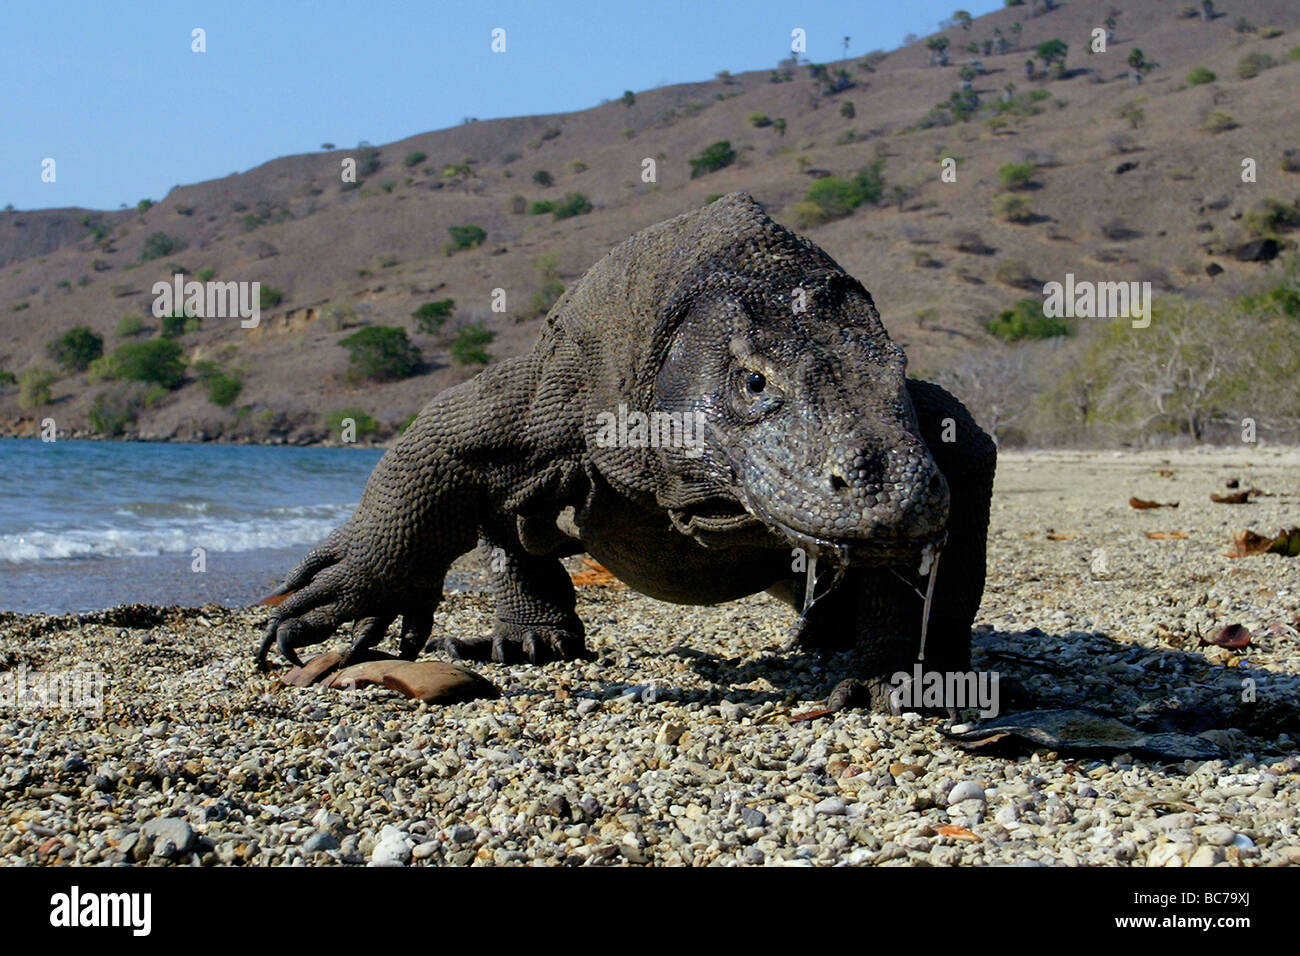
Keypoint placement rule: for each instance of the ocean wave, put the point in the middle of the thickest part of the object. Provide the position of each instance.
(212, 536)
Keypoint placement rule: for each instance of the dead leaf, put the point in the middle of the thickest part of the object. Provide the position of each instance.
(274, 600)
(1247, 543)
(313, 670)
(958, 833)
(810, 715)
(1230, 635)
(898, 769)
(1059, 537)
(1165, 472)
(438, 682)
(1236, 498)
(1167, 535)
(1141, 503)
(598, 577)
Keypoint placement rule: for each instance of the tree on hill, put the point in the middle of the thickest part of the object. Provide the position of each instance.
(1139, 66)
(962, 19)
(1052, 53)
(938, 47)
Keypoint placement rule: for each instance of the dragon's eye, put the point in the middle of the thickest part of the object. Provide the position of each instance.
(755, 383)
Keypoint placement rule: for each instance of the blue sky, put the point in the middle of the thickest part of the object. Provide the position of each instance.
(112, 92)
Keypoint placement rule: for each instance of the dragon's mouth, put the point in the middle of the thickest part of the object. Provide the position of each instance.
(722, 516)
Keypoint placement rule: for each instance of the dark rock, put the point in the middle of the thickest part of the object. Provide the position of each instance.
(1258, 250)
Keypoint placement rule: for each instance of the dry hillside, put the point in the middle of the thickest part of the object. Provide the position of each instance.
(1129, 186)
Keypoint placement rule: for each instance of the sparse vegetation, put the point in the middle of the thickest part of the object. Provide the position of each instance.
(414, 158)
(1017, 175)
(1013, 208)
(431, 316)
(178, 323)
(34, 388)
(130, 325)
(362, 422)
(117, 407)
(759, 120)
(547, 269)
(269, 296)
(222, 387)
(1201, 75)
(76, 348)
(1025, 321)
(717, 156)
(542, 178)
(469, 347)
(159, 245)
(464, 237)
(1270, 217)
(1253, 64)
(1217, 121)
(380, 353)
(573, 204)
(157, 361)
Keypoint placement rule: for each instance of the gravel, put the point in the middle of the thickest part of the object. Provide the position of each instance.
(676, 745)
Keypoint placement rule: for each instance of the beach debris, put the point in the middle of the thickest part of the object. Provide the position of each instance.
(1081, 731)
(1236, 498)
(1165, 472)
(436, 682)
(1230, 635)
(1141, 503)
(1247, 543)
(1232, 483)
(598, 577)
(1167, 535)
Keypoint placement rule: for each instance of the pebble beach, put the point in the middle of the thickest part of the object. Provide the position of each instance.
(684, 742)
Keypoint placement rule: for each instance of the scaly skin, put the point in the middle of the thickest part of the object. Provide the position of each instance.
(813, 439)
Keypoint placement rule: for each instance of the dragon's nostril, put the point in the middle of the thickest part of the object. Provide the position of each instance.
(936, 483)
(837, 482)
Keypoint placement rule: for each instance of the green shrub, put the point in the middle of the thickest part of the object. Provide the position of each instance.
(222, 387)
(380, 353)
(1270, 217)
(159, 245)
(848, 110)
(431, 316)
(364, 423)
(1293, 53)
(573, 204)
(832, 198)
(7, 379)
(1217, 121)
(117, 407)
(76, 348)
(158, 361)
(129, 325)
(1253, 64)
(1013, 208)
(542, 178)
(469, 345)
(464, 237)
(716, 156)
(1267, 33)
(205, 275)
(1025, 320)
(1016, 175)
(1201, 75)
(629, 98)
(367, 159)
(178, 323)
(414, 158)
(541, 207)
(34, 388)
(269, 296)
(759, 120)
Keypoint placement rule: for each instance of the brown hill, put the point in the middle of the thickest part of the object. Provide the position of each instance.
(1130, 185)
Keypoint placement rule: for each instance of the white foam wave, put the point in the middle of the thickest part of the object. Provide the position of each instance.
(212, 536)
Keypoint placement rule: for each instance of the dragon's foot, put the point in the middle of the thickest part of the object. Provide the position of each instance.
(513, 643)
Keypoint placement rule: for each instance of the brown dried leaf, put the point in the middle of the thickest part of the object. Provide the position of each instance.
(1236, 498)
(1165, 472)
(1142, 503)
(958, 833)
(1059, 537)
(1167, 535)
(599, 576)
(1230, 635)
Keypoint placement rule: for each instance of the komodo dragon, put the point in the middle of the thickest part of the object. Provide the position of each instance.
(815, 449)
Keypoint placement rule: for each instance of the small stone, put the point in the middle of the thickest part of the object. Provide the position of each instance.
(170, 836)
(753, 818)
(586, 706)
(966, 790)
(461, 833)
(1218, 835)
(669, 733)
(831, 806)
(392, 848)
(319, 842)
(425, 850)
(1206, 855)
